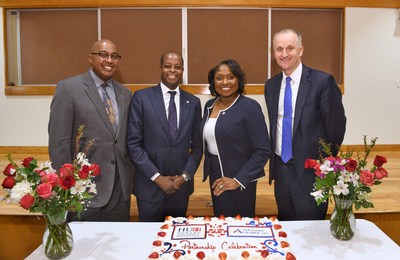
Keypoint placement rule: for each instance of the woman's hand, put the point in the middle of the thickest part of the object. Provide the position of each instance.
(224, 184)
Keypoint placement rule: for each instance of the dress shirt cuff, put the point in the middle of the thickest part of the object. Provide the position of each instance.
(242, 186)
(155, 176)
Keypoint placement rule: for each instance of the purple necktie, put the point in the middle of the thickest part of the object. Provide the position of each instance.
(286, 153)
(172, 116)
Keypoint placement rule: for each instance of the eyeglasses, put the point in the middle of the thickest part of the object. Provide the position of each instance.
(105, 55)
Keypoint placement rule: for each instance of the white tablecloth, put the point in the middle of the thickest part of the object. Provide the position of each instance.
(309, 240)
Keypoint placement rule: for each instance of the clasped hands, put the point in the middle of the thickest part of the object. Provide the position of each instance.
(170, 184)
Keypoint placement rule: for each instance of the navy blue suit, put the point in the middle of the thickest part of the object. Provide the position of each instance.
(152, 148)
(243, 150)
(319, 113)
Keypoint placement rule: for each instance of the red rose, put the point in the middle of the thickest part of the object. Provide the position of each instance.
(44, 190)
(84, 172)
(310, 163)
(67, 182)
(8, 182)
(380, 173)
(351, 165)
(27, 161)
(318, 171)
(66, 169)
(9, 170)
(51, 178)
(27, 201)
(367, 178)
(95, 169)
(379, 161)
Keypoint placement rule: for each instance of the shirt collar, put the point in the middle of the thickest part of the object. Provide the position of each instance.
(165, 89)
(296, 75)
(98, 81)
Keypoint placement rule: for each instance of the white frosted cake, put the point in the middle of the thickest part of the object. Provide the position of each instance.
(221, 238)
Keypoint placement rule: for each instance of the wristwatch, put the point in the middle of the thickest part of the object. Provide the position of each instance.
(185, 176)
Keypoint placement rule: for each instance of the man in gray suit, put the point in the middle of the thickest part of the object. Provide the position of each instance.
(82, 100)
(161, 143)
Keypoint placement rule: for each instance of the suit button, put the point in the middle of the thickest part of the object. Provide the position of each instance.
(115, 142)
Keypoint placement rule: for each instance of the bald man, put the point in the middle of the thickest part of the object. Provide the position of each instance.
(82, 100)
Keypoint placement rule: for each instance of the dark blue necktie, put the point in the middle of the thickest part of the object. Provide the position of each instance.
(286, 153)
(172, 116)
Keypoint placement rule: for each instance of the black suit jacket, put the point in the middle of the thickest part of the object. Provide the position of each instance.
(319, 113)
(152, 148)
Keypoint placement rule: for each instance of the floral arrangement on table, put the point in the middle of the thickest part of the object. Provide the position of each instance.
(41, 189)
(347, 180)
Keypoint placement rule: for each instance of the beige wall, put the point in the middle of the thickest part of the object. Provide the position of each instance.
(371, 99)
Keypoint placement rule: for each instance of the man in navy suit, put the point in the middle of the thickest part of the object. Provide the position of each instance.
(166, 159)
(316, 112)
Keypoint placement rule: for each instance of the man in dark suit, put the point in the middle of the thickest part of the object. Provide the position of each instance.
(314, 111)
(81, 100)
(162, 145)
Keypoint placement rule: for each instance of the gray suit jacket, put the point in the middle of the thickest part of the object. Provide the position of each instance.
(77, 102)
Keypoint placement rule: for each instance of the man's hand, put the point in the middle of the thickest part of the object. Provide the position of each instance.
(166, 184)
(178, 181)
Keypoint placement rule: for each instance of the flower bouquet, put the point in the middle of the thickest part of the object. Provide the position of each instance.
(348, 181)
(40, 189)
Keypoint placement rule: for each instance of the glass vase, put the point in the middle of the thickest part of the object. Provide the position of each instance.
(57, 239)
(343, 221)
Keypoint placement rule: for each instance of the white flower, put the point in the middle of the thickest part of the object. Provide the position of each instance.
(46, 165)
(80, 187)
(82, 160)
(317, 194)
(354, 179)
(326, 167)
(340, 187)
(19, 190)
(92, 188)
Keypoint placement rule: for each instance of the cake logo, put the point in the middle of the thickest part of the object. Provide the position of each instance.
(246, 231)
(194, 231)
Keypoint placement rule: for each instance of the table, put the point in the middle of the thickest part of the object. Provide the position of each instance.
(309, 240)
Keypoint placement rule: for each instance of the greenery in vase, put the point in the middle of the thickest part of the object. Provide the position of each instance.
(58, 240)
(342, 219)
